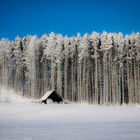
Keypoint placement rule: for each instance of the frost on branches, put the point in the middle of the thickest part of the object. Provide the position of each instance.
(97, 68)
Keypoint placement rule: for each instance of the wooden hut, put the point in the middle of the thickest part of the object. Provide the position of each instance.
(53, 95)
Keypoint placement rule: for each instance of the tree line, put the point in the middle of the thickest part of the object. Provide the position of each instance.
(97, 68)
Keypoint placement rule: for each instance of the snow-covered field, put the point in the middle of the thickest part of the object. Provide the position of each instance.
(31, 121)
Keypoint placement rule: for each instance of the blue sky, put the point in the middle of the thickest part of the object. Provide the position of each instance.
(22, 17)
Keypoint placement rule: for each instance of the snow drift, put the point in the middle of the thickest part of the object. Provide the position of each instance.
(11, 96)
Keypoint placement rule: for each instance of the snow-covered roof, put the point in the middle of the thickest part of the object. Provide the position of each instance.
(46, 95)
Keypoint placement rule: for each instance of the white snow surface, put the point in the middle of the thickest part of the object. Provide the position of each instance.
(22, 120)
(32, 121)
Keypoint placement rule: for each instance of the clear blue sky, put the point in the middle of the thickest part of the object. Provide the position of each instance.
(22, 17)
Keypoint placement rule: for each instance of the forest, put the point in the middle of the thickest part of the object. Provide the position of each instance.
(97, 69)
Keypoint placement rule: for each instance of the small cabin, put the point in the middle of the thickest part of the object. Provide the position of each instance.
(52, 95)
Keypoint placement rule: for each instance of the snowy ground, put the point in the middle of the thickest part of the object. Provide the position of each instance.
(31, 121)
